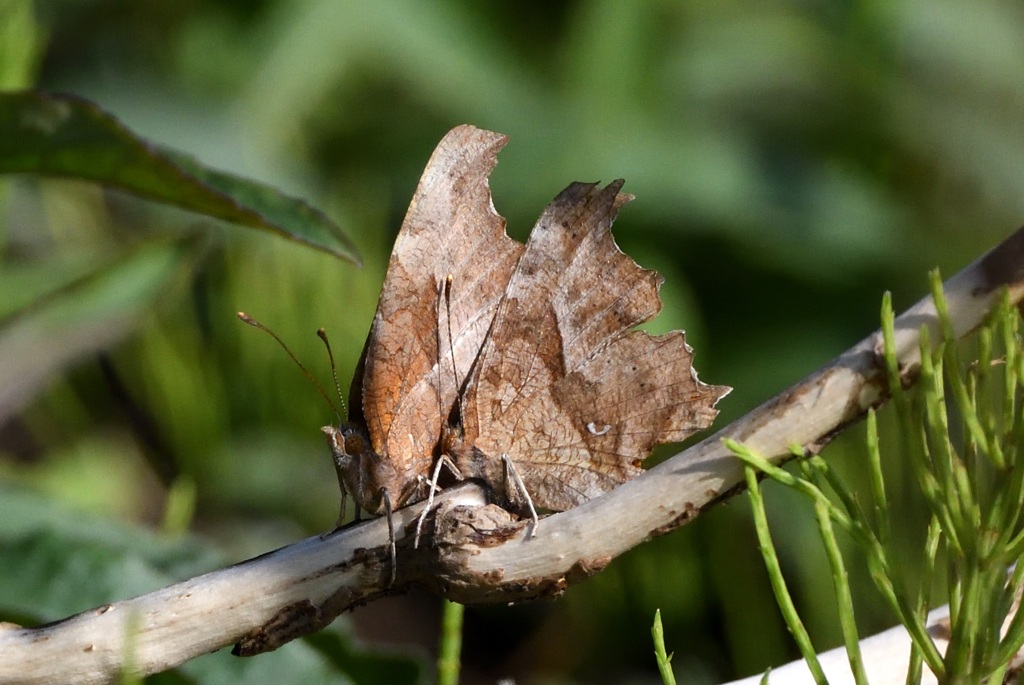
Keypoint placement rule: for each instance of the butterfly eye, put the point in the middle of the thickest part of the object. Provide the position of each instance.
(355, 440)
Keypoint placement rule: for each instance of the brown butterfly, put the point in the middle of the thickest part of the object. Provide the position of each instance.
(505, 360)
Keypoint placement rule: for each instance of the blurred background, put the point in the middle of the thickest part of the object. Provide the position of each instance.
(791, 161)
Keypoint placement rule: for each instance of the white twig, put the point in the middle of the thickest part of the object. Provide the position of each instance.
(885, 658)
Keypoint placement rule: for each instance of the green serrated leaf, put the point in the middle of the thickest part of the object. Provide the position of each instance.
(55, 561)
(63, 135)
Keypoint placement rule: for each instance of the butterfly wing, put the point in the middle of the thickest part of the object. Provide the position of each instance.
(563, 385)
(407, 380)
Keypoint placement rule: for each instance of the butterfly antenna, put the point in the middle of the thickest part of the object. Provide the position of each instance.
(322, 334)
(451, 342)
(256, 324)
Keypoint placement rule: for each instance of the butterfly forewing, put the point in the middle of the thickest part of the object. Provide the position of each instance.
(562, 385)
(413, 354)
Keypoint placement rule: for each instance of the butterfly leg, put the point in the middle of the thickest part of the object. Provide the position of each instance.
(341, 460)
(513, 474)
(344, 497)
(341, 513)
(393, 561)
(443, 460)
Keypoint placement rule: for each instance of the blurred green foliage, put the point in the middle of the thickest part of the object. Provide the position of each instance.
(791, 160)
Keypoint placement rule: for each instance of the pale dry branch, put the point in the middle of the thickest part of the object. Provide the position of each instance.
(477, 554)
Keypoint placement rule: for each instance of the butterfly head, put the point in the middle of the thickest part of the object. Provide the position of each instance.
(361, 471)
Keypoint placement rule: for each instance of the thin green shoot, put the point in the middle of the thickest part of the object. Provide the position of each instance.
(449, 658)
(661, 656)
(782, 596)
